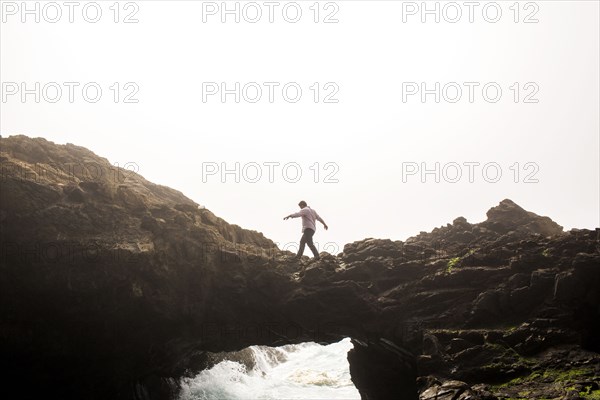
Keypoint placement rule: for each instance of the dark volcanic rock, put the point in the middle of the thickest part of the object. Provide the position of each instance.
(114, 287)
(508, 216)
(382, 370)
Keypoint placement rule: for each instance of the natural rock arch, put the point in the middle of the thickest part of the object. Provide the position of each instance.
(114, 287)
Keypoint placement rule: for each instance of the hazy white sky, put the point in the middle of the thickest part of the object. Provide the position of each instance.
(370, 61)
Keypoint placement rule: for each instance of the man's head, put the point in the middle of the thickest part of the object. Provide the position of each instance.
(302, 204)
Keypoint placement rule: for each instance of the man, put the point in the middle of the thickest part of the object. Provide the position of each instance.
(309, 216)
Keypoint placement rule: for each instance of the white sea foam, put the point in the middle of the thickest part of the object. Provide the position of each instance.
(303, 371)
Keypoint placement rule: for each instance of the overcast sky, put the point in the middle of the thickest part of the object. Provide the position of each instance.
(518, 91)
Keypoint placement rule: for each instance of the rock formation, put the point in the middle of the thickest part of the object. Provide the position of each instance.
(114, 287)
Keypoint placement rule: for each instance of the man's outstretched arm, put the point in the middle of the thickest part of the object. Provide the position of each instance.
(294, 215)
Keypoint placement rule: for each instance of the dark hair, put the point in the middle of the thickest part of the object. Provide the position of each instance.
(302, 204)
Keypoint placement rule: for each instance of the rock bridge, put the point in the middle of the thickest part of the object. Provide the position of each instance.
(454, 312)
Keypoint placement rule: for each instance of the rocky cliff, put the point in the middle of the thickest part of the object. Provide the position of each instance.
(114, 287)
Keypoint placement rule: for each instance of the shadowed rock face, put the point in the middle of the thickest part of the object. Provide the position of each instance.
(114, 287)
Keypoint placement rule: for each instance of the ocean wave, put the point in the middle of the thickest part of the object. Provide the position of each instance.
(302, 371)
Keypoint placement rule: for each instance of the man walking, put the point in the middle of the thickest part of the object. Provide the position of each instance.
(309, 216)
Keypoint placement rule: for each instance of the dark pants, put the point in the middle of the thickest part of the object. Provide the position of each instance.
(307, 239)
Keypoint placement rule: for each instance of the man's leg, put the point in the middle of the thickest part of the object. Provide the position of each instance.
(311, 245)
(302, 244)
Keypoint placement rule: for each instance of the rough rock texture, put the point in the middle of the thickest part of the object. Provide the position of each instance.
(113, 287)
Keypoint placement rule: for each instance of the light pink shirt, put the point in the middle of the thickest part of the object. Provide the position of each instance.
(309, 216)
